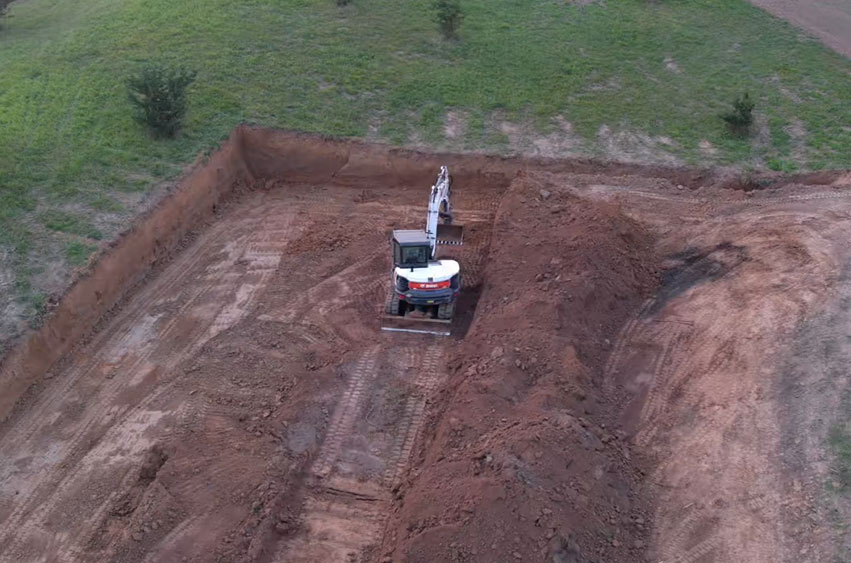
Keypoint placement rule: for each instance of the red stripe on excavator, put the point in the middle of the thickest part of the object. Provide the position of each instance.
(429, 285)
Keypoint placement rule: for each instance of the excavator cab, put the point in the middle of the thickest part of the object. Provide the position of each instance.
(411, 249)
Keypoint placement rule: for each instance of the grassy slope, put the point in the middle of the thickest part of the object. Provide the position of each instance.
(73, 164)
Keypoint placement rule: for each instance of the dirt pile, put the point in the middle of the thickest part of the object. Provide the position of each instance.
(323, 237)
(522, 463)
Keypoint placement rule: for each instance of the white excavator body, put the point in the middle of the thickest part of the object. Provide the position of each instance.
(421, 282)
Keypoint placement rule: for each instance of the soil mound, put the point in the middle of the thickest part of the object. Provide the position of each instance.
(322, 236)
(521, 461)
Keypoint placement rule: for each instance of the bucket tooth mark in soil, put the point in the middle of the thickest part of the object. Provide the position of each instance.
(349, 285)
(471, 255)
(622, 341)
(472, 258)
(675, 540)
(233, 311)
(467, 216)
(315, 334)
(178, 534)
(213, 469)
(262, 260)
(704, 551)
(694, 539)
(665, 369)
(708, 418)
(642, 362)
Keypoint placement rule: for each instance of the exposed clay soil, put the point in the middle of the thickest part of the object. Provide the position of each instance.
(524, 461)
(625, 380)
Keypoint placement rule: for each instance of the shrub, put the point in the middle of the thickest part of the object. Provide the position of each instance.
(343, 2)
(448, 15)
(740, 118)
(780, 165)
(159, 94)
(4, 6)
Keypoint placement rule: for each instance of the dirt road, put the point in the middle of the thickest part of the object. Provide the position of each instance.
(828, 20)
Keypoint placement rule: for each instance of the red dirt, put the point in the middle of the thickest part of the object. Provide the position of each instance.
(519, 464)
(616, 388)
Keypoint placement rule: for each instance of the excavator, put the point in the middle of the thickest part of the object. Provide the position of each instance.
(424, 287)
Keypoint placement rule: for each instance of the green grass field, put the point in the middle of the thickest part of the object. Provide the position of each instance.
(623, 79)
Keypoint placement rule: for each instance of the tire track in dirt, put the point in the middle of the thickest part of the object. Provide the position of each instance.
(379, 416)
(346, 412)
(697, 367)
(257, 261)
(812, 392)
(106, 421)
(344, 512)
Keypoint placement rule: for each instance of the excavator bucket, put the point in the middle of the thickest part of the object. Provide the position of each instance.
(450, 234)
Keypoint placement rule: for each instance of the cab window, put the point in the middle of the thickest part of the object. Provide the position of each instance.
(414, 254)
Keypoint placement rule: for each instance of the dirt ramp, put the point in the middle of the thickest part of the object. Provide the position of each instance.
(519, 462)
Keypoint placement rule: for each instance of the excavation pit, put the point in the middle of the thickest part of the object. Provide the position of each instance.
(603, 395)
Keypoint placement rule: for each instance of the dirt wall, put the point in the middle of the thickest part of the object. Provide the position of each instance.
(302, 157)
(123, 265)
(310, 158)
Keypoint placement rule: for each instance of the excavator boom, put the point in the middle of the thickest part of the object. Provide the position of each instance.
(440, 207)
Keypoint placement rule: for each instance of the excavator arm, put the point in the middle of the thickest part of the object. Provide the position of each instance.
(440, 207)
